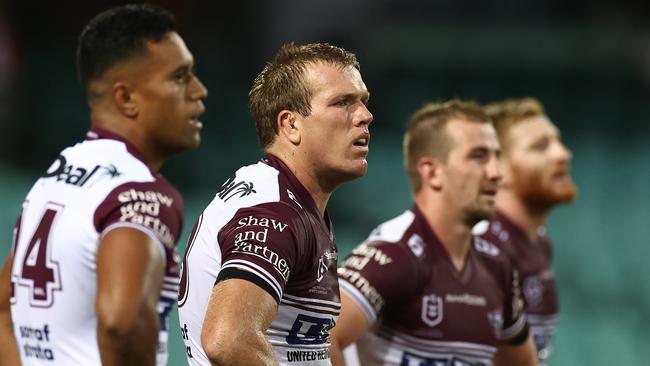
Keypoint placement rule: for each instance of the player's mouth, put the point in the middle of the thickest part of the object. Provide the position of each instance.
(362, 142)
(562, 174)
(194, 118)
(489, 191)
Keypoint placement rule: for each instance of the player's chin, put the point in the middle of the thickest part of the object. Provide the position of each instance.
(354, 169)
(188, 141)
(564, 194)
(360, 167)
(481, 213)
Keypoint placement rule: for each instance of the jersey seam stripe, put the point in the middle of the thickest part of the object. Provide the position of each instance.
(318, 301)
(447, 354)
(438, 350)
(330, 312)
(259, 256)
(257, 268)
(430, 343)
(310, 306)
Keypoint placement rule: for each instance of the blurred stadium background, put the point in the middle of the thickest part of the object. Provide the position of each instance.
(588, 61)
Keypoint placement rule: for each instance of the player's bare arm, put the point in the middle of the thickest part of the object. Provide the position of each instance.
(238, 314)
(523, 354)
(8, 348)
(130, 273)
(351, 325)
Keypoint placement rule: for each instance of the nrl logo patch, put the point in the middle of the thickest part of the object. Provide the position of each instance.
(431, 310)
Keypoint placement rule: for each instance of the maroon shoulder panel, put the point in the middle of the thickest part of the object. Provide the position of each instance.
(156, 206)
(386, 273)
(267, 239)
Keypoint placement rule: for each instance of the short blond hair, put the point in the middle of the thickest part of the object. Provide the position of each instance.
(281, 84)
(509, 112)
(426, 134)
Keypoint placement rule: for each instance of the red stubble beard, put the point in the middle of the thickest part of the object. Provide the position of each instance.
(541, 190)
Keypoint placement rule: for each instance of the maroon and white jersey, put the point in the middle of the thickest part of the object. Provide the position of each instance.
(92, 187)
(264, 227)
(421, 309)
(533, 261)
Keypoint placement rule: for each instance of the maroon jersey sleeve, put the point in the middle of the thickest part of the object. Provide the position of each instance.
(264, 244)
(153, 207)
(379, 275)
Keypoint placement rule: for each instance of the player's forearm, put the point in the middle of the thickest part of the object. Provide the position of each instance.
(252, 350)
(129, 343)
(336, 353)
(8, 347)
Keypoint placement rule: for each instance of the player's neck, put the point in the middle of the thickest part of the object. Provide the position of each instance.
(454, 234)
(527, 218)
(306, 176)
(136, 138)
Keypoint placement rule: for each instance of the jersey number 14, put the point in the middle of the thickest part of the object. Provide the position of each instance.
(38, 271)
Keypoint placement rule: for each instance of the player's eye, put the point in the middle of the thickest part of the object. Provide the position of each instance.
(541, 145)
(342, 102)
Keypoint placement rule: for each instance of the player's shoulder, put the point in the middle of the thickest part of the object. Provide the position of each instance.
(393, 230)
(393, 242)
(100, 164)
(251, 190)
(248, 186)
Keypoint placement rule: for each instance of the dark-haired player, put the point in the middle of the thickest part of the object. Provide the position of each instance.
(422, 290)
(93, 271)
(259, 284)
(536, 166)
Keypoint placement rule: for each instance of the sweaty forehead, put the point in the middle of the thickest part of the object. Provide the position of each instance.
(329, 79)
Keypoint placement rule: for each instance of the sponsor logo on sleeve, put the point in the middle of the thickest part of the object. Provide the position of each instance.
(367, 290)
(251, 242)
(371, 252)
(263, 252)
(143, 208)
(355, 262)
(231, 188)
(432, 312)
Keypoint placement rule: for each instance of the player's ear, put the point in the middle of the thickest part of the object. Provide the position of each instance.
(430, 171)
(289, 125)
(123, 99)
